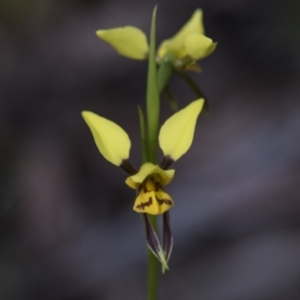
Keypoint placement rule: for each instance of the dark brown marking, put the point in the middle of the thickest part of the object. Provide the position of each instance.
(166, 163)
(145, 188)
(144, 204)
(162, 201)
(127, 167)
(157, 186)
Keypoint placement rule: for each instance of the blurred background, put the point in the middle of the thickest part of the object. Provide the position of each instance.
(67, 230)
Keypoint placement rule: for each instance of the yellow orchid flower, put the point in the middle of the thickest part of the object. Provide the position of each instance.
(175, 138)
(151, 199)
(187, 46)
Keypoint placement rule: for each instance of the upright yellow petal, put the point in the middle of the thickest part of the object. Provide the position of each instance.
(176, 43)
(112, 141)
(199, 46)
(128, 41)
(176, 134)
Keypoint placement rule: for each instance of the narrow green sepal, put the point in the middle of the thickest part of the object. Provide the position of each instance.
(152, 100)
(143, 130)
(171, 100)
(164, 73)
(196, 90)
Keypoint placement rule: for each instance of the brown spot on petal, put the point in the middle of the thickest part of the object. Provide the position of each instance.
(162, 201)
(157, 186)
(142, 205)
(145, 190)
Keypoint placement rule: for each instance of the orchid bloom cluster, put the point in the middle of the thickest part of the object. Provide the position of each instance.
(187, 46)
(174, 137)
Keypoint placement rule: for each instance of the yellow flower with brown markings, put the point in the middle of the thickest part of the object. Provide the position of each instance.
(152, 198)
(175, 138)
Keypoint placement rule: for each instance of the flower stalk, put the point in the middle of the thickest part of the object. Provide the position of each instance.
(153, 110)
(152, 98)
(195, 88)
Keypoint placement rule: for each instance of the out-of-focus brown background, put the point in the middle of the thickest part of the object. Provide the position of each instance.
(67, 230)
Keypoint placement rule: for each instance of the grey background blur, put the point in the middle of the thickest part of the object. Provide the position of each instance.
(67, 228)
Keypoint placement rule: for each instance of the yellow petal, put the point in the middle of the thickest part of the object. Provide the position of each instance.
(152, 202)
(176, 43)
(164, 200)
(128, 41)
(164, 177)
(199, 46)
(112, 141)
(176, 134)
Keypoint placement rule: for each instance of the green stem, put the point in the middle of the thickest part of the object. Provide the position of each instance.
(192, 84)
(152, 112)
(194, 87)
(172, 101)
(152, 99)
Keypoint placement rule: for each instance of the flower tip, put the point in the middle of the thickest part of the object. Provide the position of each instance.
(103, 34)
(198, 12)
(198, 104)
(99, 33)
(164, 268)
(164, 263)
(86, 115)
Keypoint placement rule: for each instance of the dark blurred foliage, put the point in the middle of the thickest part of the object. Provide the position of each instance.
(67, 228)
